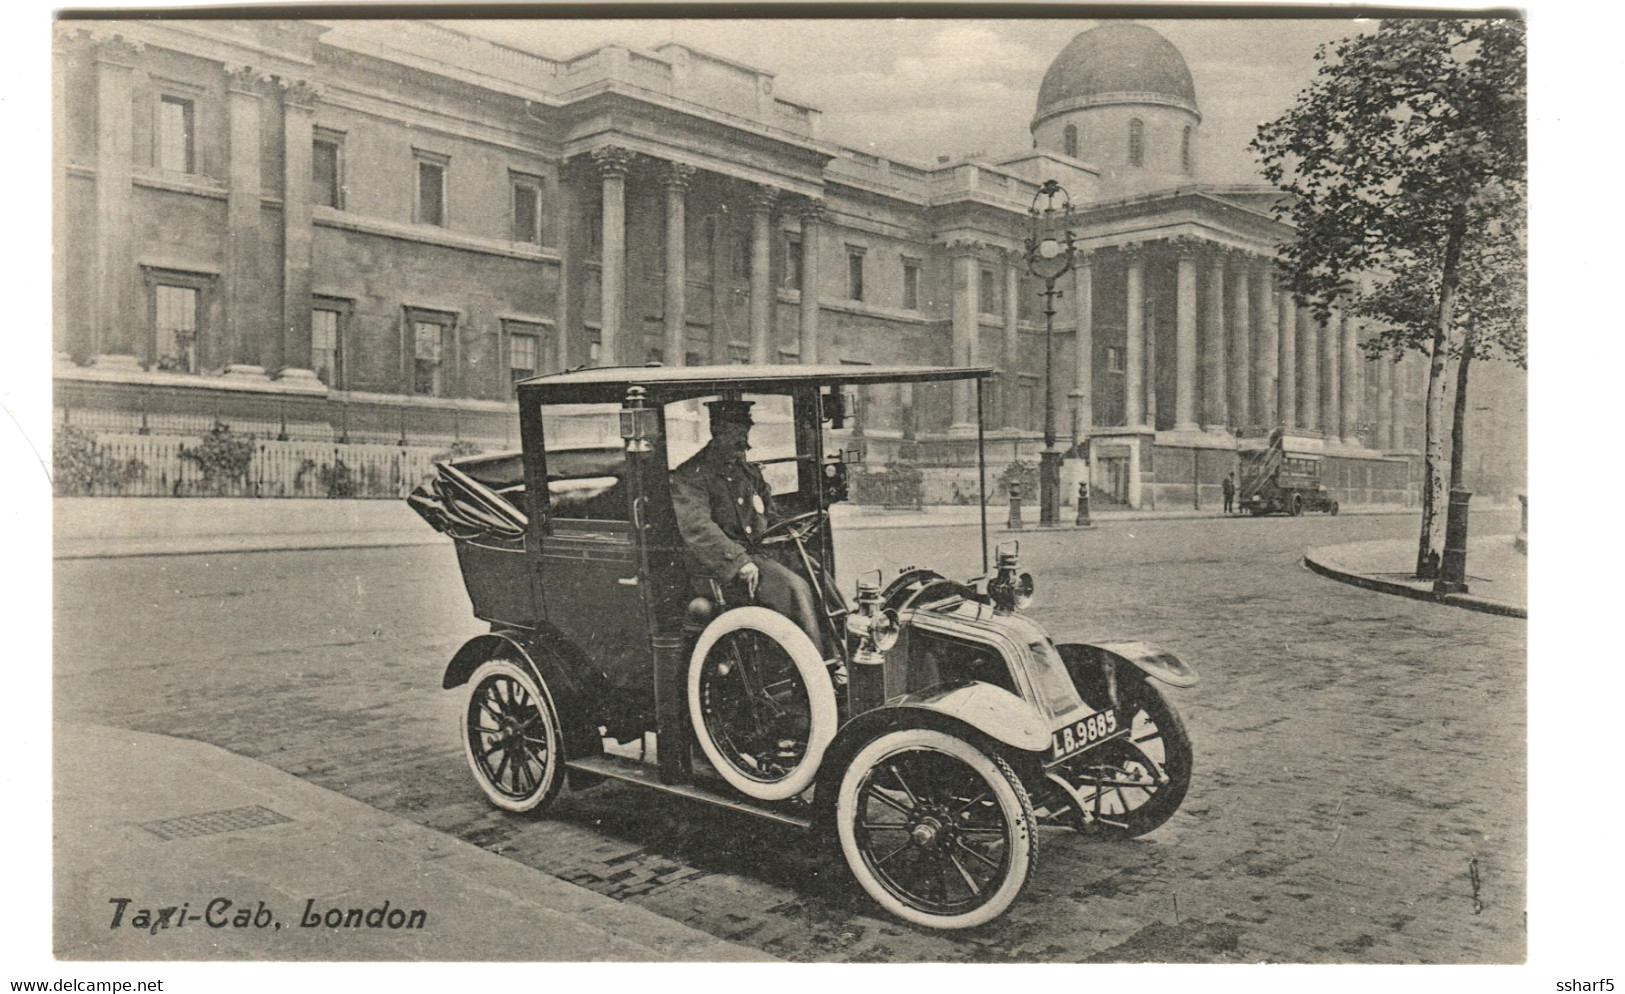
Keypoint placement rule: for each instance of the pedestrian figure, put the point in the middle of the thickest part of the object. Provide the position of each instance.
(1229, 493)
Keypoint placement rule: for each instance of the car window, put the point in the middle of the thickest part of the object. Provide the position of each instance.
(772, 438)
(585, 462)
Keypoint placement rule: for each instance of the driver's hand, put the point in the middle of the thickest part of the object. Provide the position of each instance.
(750, 573)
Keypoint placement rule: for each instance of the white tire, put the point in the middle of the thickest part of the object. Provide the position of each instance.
(743, 724)
(511, 739)
(938, 832)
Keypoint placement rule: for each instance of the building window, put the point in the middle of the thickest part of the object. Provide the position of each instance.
(741, 255)
(1070, 140)
(854, 273)
(1114, 359)
(1185, 150)
(911, 285)
(175, 327)
(595, 345)
(527, 209)
(1136, 142)
(326, 173)
(428, 350)
(792, 262)
(988, 297)
(1028, 406)
(524, 349)
(175, 135)
(431, 180)
(738, 355)
(327, 346)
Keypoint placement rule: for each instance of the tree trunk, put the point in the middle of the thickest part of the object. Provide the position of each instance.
(1430, 544)
(1458, 421)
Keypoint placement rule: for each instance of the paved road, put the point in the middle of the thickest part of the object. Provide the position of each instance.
(1358, 756)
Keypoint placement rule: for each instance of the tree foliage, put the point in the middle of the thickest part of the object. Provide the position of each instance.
(1405, 163)
(1407, 134)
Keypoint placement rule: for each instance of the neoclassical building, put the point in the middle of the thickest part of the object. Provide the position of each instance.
(362, 233)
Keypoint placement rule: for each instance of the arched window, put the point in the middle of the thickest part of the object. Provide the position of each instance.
(1136, 142)
(1071, 140)
(1185, 150)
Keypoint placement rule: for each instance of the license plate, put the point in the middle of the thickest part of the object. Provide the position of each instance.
(1072, 739)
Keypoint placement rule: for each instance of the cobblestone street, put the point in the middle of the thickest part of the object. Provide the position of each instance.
(1359, 792)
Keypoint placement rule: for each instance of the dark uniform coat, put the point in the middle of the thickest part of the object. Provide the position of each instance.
(722, 507)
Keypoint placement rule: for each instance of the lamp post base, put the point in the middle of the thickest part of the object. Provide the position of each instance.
(1049, 487)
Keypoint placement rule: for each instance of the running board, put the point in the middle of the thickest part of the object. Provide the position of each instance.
(645, 775)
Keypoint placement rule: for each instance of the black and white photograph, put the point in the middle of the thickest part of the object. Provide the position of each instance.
(1030, 486)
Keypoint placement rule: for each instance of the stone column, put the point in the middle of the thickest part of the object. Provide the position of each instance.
(966, 331)
(1083, 373)
(1308, 369)
(1382, 437)
(1331, 380)
(1353, 390)
(762, 200)
(240, 345)
(1266, 360)
(1010, 351)
(1214, 389)
(114, 326)
(1241, 343)
(812, 212)
(1134, 345)
(1287, 371)
(612, 162)
(1398, 373)
(298, 236)
(675, 347)
(1185, 336)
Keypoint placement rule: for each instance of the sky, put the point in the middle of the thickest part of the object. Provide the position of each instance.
(916, 89)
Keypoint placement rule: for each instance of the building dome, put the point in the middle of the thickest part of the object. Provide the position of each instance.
(1112, 64)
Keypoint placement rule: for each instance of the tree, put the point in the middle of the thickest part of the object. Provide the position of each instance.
(1405, 164)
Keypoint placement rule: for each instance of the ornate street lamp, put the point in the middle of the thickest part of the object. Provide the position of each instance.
(1049, 258)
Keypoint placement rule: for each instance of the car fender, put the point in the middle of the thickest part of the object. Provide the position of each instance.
(580, 739)
(1152, 660)
(981, 708)
(980, 713)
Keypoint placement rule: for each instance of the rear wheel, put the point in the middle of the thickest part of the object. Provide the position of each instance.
(1293, 506)
(937, 831)
(510, 733)
(1332, 509)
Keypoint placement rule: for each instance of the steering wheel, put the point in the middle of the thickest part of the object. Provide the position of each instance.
(797, 528)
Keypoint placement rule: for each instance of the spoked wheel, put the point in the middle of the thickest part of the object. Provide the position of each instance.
(761, 702)
(511, 737)
(1132, 784)
(937, 831)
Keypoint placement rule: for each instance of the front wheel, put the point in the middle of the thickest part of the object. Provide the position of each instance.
(1332, 510)
(510, 733)
(1130, 785)
(937, 831)
(1293, 506)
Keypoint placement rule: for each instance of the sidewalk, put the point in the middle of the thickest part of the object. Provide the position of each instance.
(1497, 573)
(111, 527)
(168, 822)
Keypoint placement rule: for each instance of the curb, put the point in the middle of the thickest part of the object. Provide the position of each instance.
(1465, 601)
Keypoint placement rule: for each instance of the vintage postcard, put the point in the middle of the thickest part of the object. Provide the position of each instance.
(976, 489)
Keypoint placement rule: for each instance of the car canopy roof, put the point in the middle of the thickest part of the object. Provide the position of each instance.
(608, 384)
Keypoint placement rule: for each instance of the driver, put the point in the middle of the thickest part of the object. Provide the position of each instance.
(723, 505)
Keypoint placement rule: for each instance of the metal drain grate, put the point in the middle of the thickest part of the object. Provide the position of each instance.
(215, 822)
